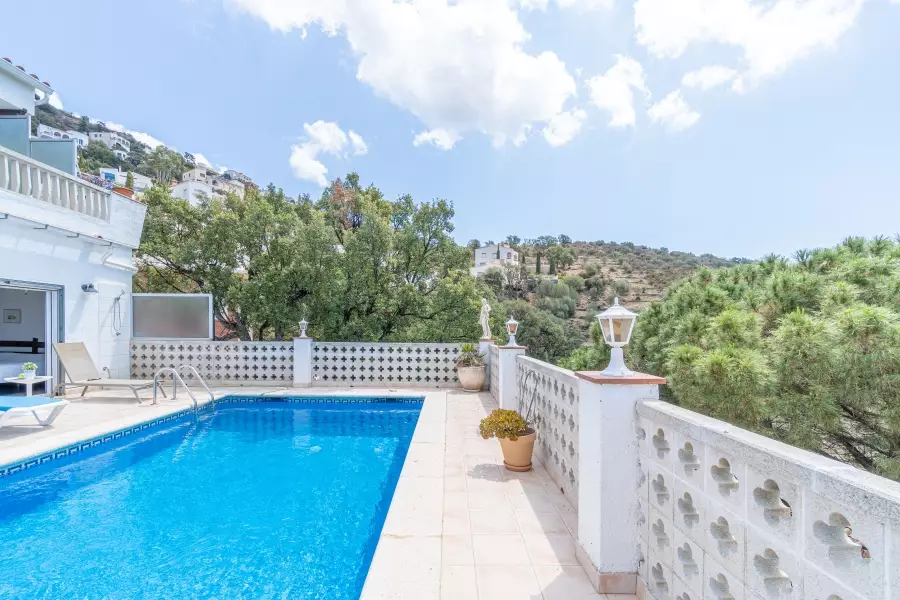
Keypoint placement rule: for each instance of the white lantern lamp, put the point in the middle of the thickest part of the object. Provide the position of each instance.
(303, 325)
(616, 324)
(512, 326)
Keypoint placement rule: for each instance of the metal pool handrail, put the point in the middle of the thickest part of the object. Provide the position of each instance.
(176, 378)
(200, 379)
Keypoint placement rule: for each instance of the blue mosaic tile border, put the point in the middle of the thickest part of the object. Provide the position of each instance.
(12, 469)
(321, 399)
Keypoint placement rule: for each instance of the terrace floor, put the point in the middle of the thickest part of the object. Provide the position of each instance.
(460, 526)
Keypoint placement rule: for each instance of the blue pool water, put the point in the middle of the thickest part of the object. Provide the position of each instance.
(256, 500)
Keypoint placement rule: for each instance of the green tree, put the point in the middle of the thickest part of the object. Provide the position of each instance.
(356, 266)
(804, 351)
(129, 180)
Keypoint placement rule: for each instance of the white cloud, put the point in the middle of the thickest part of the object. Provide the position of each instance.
(614, 90)
(144, 138)
(439, 138)
(708, 77)
(201, 160)
(359, 145)
(56, 101)
(563, 128)
(322, 137)
(771, 35)
(458, 65)
(577, 4)
(673, 113)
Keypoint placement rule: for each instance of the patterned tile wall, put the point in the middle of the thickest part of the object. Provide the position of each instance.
(495, 370)
(258, 363)
(554, 394)
(726, 514)
(385, 365)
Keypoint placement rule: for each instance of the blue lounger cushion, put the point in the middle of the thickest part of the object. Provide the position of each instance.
(24, 402)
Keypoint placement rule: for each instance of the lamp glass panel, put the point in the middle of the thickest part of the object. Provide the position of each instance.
(512, 327)
(604, 327)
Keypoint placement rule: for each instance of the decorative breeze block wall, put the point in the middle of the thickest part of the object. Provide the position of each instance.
(555, 394)
(726, 514)
(349, 364)
(218, 363)
(494, 361)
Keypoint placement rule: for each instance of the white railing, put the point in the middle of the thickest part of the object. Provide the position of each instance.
(22, 175)
(376, 364)
(554, 393)
(725, 513)
(219, 363)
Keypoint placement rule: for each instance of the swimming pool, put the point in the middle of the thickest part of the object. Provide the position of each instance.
(255, 500)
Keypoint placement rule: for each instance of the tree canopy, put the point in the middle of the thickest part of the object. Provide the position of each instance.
(357, 266)
(806, 351)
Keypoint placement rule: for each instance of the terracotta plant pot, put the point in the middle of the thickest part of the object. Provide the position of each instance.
(517, 454)
(471, 378)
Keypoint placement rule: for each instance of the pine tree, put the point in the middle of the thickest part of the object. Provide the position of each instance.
(129, 180)
(537, 264)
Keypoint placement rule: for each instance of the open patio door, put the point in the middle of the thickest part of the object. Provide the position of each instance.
(30, 323)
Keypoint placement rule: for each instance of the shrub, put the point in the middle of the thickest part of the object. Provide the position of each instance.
(574, 281)
(469, 356)
(503, 424)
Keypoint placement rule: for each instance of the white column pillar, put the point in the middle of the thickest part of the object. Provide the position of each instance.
(303, 367)
(506, 376)
(608, 476)
(484, 347)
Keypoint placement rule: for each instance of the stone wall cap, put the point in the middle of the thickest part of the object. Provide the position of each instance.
(633, 379)
(513, 347)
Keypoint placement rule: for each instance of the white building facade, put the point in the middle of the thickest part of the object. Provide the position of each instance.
(119, 177)
(493, 256)
(67, 244)
(117, 143)
(52, 133)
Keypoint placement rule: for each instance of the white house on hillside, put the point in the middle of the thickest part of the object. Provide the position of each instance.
(117, 143)
(202, 180)
(493, 256)
(120, 177)
(45, 131)
(66, 247)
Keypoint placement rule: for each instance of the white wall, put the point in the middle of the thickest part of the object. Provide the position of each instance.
(15, 93)
(188, 190)
(49, 257)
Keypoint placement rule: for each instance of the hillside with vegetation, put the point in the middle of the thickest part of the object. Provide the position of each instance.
(570, 282)
(805, 351)
(160, 163)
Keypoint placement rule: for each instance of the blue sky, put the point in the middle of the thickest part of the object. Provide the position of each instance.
(532, 116)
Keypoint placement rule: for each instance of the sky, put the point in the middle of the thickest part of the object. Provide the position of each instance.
(735, 127)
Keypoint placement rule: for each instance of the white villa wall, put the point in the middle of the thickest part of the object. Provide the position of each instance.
(725, 513)
(349, 364)
(556, 400)
(49, 257)
(218, 363)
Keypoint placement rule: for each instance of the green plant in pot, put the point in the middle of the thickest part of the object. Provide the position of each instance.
(516, 437)
(470, 368)
(28, 370)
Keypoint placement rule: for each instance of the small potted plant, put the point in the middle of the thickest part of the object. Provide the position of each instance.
(470, 368)
(28, 370)
(515, 434)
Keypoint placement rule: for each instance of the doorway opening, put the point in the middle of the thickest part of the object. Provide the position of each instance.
(30, 324)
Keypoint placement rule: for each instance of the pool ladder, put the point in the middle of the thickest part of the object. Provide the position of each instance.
(176, 379)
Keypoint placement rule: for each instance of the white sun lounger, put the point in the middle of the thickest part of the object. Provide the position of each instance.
(12, 406)
(82, 372)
